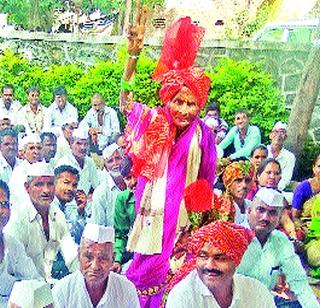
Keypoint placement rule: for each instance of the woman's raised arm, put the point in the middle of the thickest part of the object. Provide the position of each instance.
(135, 45)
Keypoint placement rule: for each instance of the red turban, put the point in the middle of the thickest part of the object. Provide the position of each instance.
(175, 68)
(231, 239)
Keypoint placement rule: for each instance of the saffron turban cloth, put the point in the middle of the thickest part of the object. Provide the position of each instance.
(237, 170)
(176, 69)
(231, 239)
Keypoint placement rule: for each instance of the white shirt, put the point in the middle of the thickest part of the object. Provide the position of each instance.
(287, 161)
(33, 122)
(18, 193)
(191, 292)
(55, 118)
(27, 228)
(277, 255)
(88, 175)
(71, 292)
(15, 266)
(63, 147)
(240, 217)
(5, 168)
(11, 113)
(103, 202)
(110, 126)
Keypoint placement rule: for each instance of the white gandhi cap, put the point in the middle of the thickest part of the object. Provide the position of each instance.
(40, 168)
(30, 138)
(80, 133)
(270, 196)
(31, 294)
(98, 234)
(109, 150)
(280, 125)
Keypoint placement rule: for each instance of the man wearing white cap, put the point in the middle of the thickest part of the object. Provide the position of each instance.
(14, 263)
(94, 285)
(101, 121)
(41, 227)
(111, 183)
(31, 294)
(81, 161)
(32, 153)
(287, 160)
(271, 252)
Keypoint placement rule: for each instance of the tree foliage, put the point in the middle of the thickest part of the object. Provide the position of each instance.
(234, 85)
(242, 84)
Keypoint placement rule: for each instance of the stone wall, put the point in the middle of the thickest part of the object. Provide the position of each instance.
(284, 62)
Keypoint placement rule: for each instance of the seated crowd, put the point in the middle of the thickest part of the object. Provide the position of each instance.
(67, 208)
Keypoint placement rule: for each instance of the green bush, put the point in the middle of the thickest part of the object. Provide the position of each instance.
(241, 84)
(234, 85)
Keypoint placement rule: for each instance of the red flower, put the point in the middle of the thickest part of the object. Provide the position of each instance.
(198, 196)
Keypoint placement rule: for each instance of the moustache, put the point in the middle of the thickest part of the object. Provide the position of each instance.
(45, 195)
(266, 222)
(212, 271)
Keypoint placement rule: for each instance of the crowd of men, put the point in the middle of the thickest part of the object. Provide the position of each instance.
(67, 207)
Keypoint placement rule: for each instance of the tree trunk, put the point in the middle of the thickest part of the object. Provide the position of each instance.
(127, 17)
(304, 103)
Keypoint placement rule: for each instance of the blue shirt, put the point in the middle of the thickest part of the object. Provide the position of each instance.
(252, 139)
(277, 255)
(75, 220)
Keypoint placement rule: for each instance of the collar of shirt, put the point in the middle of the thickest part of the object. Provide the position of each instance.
(110, 181)
(56, 107)
(56, 202)
(265, 247)
(75, 162)
(202, 289)
(247, 133)
(107, 293)
(5, 164)
(34, 214)
(12, 106)
(39, 109)
(281, 153)
(3, 161)
(105, 111)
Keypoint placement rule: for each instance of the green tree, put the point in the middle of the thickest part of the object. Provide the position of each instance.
(242, 84)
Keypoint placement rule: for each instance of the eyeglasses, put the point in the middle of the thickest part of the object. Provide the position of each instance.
(5, 204)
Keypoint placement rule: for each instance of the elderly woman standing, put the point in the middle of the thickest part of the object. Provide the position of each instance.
(170, 147)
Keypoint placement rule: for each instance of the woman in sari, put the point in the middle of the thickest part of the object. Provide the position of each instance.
(269, 175)
(306, 212)
(170, 147)
(258, 154)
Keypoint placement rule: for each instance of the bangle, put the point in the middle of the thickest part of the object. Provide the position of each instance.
(136, 57)
(127, 86)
